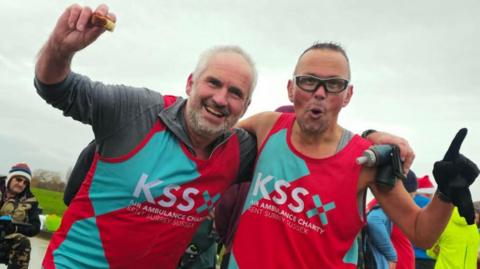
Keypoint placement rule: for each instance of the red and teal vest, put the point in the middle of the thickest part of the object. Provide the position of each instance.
(300, 212)
(142, 209)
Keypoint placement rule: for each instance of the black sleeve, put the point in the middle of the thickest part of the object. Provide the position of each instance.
(248, 154)
(223, 212)
(31, 228)
(79, 172)
(228, 211)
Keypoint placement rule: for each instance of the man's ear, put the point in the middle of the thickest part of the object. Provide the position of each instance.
(188, 88)
(290, 90)
(247, 104)
(349, 95)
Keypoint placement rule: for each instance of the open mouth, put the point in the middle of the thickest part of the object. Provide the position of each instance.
(215, 112)
(316, 111)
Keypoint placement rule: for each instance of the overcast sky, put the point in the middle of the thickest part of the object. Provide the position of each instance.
(415, 65)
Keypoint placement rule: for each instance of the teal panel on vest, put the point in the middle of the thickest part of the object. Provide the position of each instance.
(352, 254)
(143, 177)
(83, 237)
(232, 263)
(275, 160)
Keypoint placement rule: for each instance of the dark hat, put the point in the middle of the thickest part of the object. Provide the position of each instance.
(285, 109)
(410, 182)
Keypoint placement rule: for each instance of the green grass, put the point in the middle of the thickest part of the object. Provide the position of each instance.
(50, 201)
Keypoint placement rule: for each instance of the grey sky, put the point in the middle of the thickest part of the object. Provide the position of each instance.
(414, 65)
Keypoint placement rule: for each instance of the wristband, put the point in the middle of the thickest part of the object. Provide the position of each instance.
(368, 132)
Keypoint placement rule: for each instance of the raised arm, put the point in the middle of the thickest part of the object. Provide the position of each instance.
(454, 174)
(72, 33)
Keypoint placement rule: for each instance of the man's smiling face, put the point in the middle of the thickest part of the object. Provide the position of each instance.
(219, 95)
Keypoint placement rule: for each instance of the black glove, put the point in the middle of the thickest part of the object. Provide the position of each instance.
(12, 228)
(7, 227)
(454, 174)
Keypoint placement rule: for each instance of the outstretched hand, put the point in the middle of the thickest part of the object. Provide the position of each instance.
(74, 31)
(454, 174)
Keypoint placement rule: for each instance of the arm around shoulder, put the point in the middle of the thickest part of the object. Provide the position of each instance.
(259, 124)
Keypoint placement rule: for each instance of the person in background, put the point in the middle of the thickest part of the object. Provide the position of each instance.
(457, 247)
(19, 217)
(391, 248)
(227, 215)
(425, 188)
(476, 205)
(201, 253)
(422, 197)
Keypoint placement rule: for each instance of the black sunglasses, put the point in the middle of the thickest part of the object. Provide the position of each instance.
(310, 83)
(20, 180)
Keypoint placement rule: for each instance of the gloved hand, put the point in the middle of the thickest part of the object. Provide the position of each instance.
(454, 174)
(7, 226)
(10, 229)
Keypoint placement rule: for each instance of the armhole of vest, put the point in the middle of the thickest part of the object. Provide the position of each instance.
(168, 100)
(282, 122)
(346, 137)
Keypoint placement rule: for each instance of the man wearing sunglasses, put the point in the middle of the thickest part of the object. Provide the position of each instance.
(305, 206)
(19, 217)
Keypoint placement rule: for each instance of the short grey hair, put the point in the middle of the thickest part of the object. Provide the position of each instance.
(208, 54)
(327, 46)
